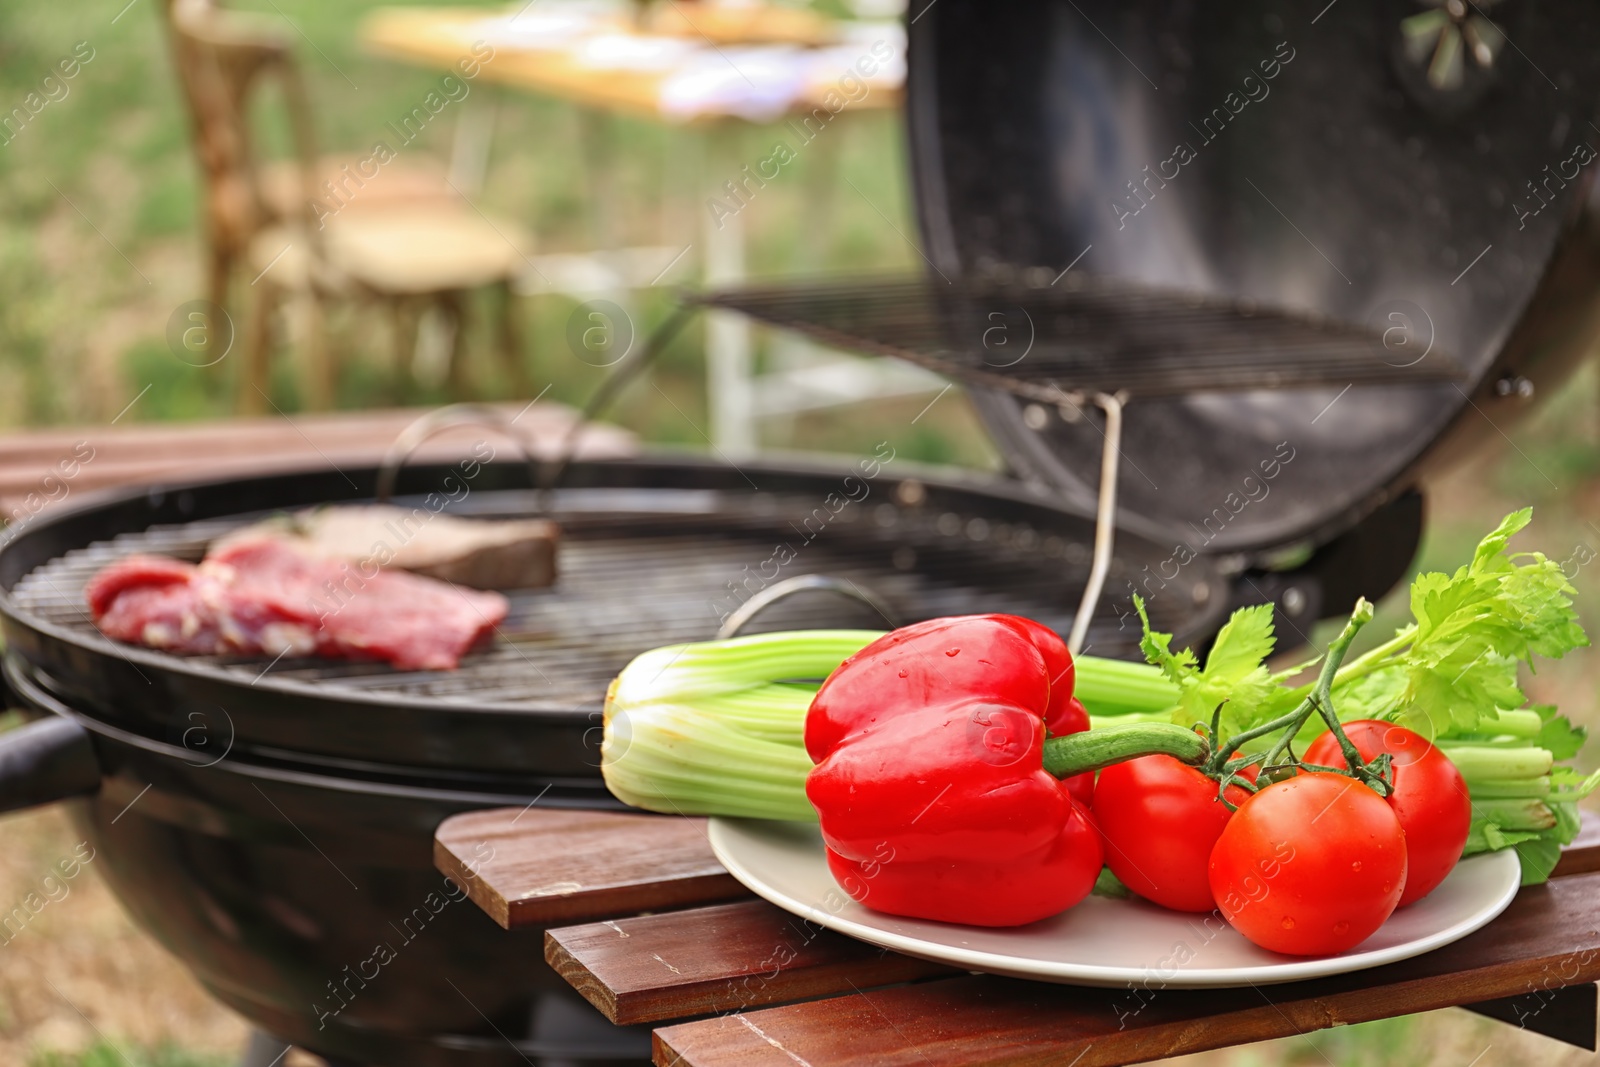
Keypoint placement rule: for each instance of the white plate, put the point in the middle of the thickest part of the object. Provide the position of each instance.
(1101, 942)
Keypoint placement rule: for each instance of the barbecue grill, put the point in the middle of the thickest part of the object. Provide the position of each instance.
(1252, 352)
(272, 820)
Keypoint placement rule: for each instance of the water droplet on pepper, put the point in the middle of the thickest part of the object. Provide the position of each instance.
(952, 651)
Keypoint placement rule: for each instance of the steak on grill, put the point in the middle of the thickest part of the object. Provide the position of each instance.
(272, 596)
(481, 553)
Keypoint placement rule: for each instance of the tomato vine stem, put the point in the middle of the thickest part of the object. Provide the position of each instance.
(1280, 761)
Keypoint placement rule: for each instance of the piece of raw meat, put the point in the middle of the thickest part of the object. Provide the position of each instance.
(481, 553)
(270, 596)
(155, 601)
(365, 612)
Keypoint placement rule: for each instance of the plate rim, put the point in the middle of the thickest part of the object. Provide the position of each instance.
(1502, 863)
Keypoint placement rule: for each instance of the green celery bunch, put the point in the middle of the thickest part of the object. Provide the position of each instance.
(717, 727)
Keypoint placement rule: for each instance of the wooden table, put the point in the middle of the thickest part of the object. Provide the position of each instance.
(649, 927)
(35, 464)
(440, 38)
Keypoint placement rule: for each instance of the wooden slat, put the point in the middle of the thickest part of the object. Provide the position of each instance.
(1583, 855)
(522, 879)
(532, 867)
(732, 957)
(722, 959)
(1549, 937)
(36, 461)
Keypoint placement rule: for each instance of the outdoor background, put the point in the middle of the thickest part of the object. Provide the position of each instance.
(99, 244)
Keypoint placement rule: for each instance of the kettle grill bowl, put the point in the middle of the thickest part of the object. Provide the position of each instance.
(275, 887)
(653, 552)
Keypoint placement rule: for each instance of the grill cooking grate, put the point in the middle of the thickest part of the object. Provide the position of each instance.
(1087, 334)
(633, 581)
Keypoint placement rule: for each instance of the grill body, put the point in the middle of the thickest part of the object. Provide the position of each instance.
(268, 823)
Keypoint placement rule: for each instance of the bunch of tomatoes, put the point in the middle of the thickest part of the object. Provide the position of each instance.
(1309, 865)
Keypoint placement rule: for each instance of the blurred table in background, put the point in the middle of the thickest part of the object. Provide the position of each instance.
(757, 63)
(711, 69)
(39, 469)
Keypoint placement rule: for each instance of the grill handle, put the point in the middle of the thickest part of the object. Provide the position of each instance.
(440, 419)
(800, 583)
(46, 761)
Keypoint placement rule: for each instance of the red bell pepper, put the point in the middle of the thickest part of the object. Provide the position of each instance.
(930, 782)
(939, 794)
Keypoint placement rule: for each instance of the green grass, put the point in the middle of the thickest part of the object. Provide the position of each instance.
(99, 228)
(1385, 1043)
(105, 1054)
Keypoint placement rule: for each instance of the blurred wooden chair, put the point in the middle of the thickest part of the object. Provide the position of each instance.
(414, 246)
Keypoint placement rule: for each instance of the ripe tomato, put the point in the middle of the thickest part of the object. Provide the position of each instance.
(1311, 866)
(1159, 818)
(1430, 797)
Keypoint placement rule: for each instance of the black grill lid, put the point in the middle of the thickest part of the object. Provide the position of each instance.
(1297, 158)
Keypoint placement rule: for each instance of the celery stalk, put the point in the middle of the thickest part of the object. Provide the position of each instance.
(1511, 788)
(1113, 687)
(1485, 743)
(716, 728)
(1514, 814)
(1480, 762)
(1097, 720)
(1522, 724)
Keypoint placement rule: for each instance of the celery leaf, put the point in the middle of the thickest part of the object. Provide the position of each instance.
(1558, 734)
(1234, 675)
(1539, 857)
(1374, 696)
(1473, 626)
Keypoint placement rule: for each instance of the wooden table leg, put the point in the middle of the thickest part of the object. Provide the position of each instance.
(255, 355)
(458, 379)
(404, 318)
(509, 343)
(473, 141)
(321, 369)
(729, 363)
